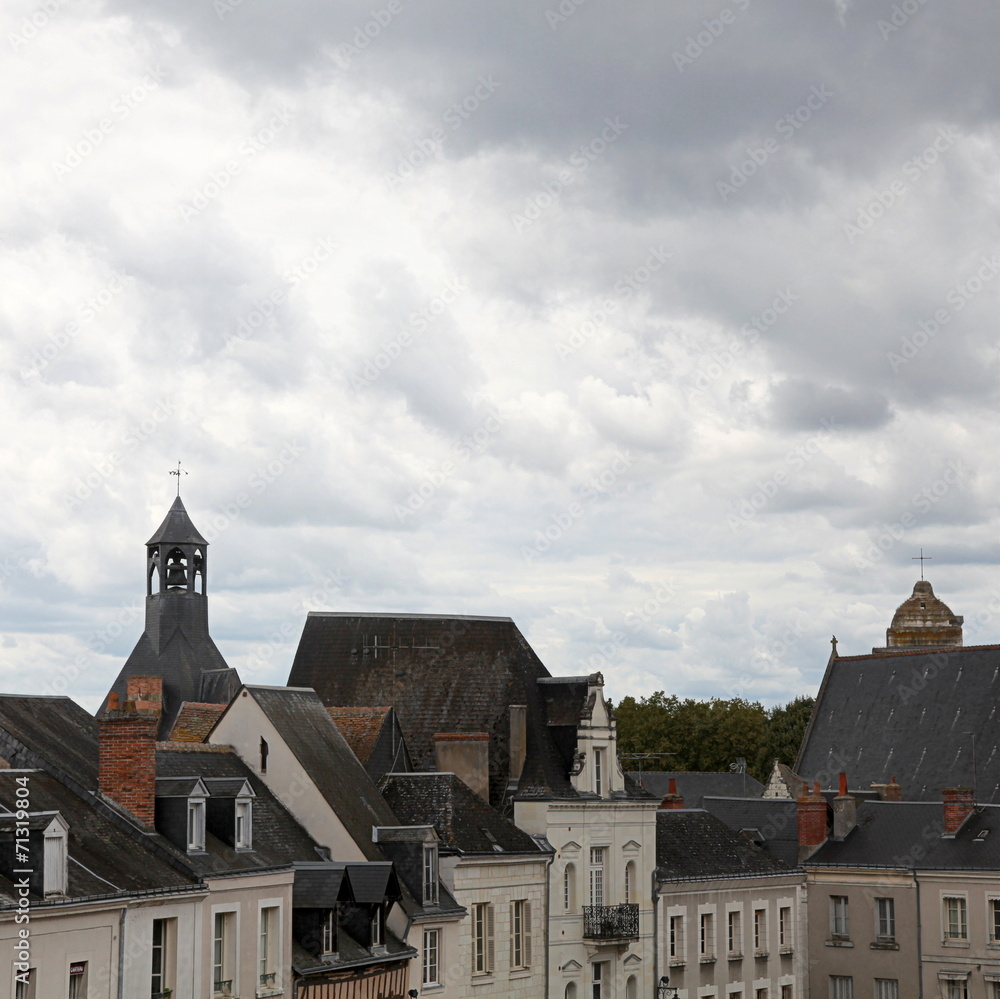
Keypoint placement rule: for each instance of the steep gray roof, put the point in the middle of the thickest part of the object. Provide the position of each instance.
(177, 528)
(316, 742)
(774, 819)
(693, 786)
(908, 715)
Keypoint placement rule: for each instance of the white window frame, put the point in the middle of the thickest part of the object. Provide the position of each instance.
(167, 949)
(430, 874)
(569, 888)
(225, 954)
(598, 879)
(270, 962)
(675, 937)
(885, 919)
(961, 908)
(483, 938)
(520, 934)
(886, 988)
(195, 825)
(840, 918)
(786, 929)
(706, 935)
(431, 973)
(243, 832)
(376, 926)
(993, 918)
(760, 936)
(734, 932)
(599, 772)
(55, 860)
(329, 935)
(841, 987)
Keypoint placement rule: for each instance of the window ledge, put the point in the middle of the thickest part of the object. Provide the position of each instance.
(786, 950)
(707, 959)
(839, 943)
(677, 962)
(734, 955)
(955, 943)
(884, 945)
(761, 954)
(519, 973)
(269, 993)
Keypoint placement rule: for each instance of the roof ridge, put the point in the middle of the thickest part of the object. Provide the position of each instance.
(929, 650)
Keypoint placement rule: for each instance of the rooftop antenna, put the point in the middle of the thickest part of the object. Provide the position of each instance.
(178, 471)
(922, 558)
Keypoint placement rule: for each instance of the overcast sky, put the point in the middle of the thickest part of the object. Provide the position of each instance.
(667, 329)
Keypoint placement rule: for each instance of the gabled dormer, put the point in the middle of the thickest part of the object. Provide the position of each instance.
(37, 842)
(230, 811)
(181, 811)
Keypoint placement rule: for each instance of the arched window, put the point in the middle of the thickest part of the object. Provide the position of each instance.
(631, 988)
(630, 881)
(569, 888)
(571, 990)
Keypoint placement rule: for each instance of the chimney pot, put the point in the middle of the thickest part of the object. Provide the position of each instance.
(113, 703)
(893, 792)
(958, 805)
(843, 783)
(672, 799)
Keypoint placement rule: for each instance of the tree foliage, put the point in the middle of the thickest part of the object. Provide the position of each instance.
(710, 735)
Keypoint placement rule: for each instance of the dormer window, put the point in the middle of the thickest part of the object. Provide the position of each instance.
(430, 874)
(196, 824)
(244, 824)
(55, 858)
(329, 932)
(377, 926)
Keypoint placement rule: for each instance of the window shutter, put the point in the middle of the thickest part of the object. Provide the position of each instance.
(527, 934)
(511, 934)
(490, 948)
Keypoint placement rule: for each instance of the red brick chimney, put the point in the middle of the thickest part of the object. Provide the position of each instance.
(672, 799)
(812, 822)
(893, 791)
(126, 768)
(958, 805)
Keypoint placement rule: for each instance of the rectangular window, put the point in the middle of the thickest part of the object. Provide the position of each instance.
(956, 923)
(243, 825)
(841, 987)
(885, 919)
(839, 926)
(520, 934)
(599, 773)
(78, 980)
(223, 954)
(430, 875)
(734, 934)
(785, 927)
(760, 994)
(483, 946)
(995, 920)
(597, 855)
(24, 984)
(376, 926)
(329, 932)
(196, 825)
(886, 988)
(263, 755)
(706, 937)
(54, 865)
(267, 967)
(598, 980)
(164, 954)
(786, 992)
(956, 990)
(432, 943)
(760, 931)
(676, 941)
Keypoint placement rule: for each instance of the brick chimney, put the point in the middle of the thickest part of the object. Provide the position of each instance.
(672, 799)
(811, 810)
(467, 755)
(126, 768)
(958, 805)
(845, 811)
(893, 791)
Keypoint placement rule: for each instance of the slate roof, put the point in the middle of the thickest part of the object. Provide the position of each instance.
(463, 821)
(444, 674)
(177, 528)
(693, 786)
(775, 819)
(316, 742)
(351, 954)
(50, 733)
(908, 715)
(195, 721)
(360, 727)
(909, 834)
(103, 857)
(277, 838)
(692, 843)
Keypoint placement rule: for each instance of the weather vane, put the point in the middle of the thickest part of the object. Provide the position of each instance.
(178, 471)
(922, 558)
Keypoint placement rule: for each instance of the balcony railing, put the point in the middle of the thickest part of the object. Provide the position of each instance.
(611, 922)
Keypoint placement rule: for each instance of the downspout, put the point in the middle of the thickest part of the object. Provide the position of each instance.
(920, 939)
(656, 938)
(548, 893)
(121, 953)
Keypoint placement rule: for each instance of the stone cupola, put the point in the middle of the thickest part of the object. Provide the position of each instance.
(922, 621)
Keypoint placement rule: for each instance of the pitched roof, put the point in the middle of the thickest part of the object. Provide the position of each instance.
(360, 727)
(908, 715)
(463, 821)
(693, 786)
(194, 721)
(316, 742)
(910, 834)
(776, 820)
(692, 843)
(177, 528)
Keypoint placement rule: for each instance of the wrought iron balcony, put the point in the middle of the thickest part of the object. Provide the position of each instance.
(611, 922)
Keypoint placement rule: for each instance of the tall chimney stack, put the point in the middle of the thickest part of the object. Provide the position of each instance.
(811, 810)
(467, 756)
(126, 766)
(672, 799)
(845, 811)
(958, 805)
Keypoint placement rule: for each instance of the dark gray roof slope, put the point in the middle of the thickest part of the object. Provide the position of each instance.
(51, 733)
(908, 715)
(910, 834)
(441, 674)
(309, 731)
(774, 819)
(694, 786)
(104, 857)
(463, 821)
(278, 839)
(177, 528)
(691, 843)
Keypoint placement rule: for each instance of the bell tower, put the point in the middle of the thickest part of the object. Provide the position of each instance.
(176, 644)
